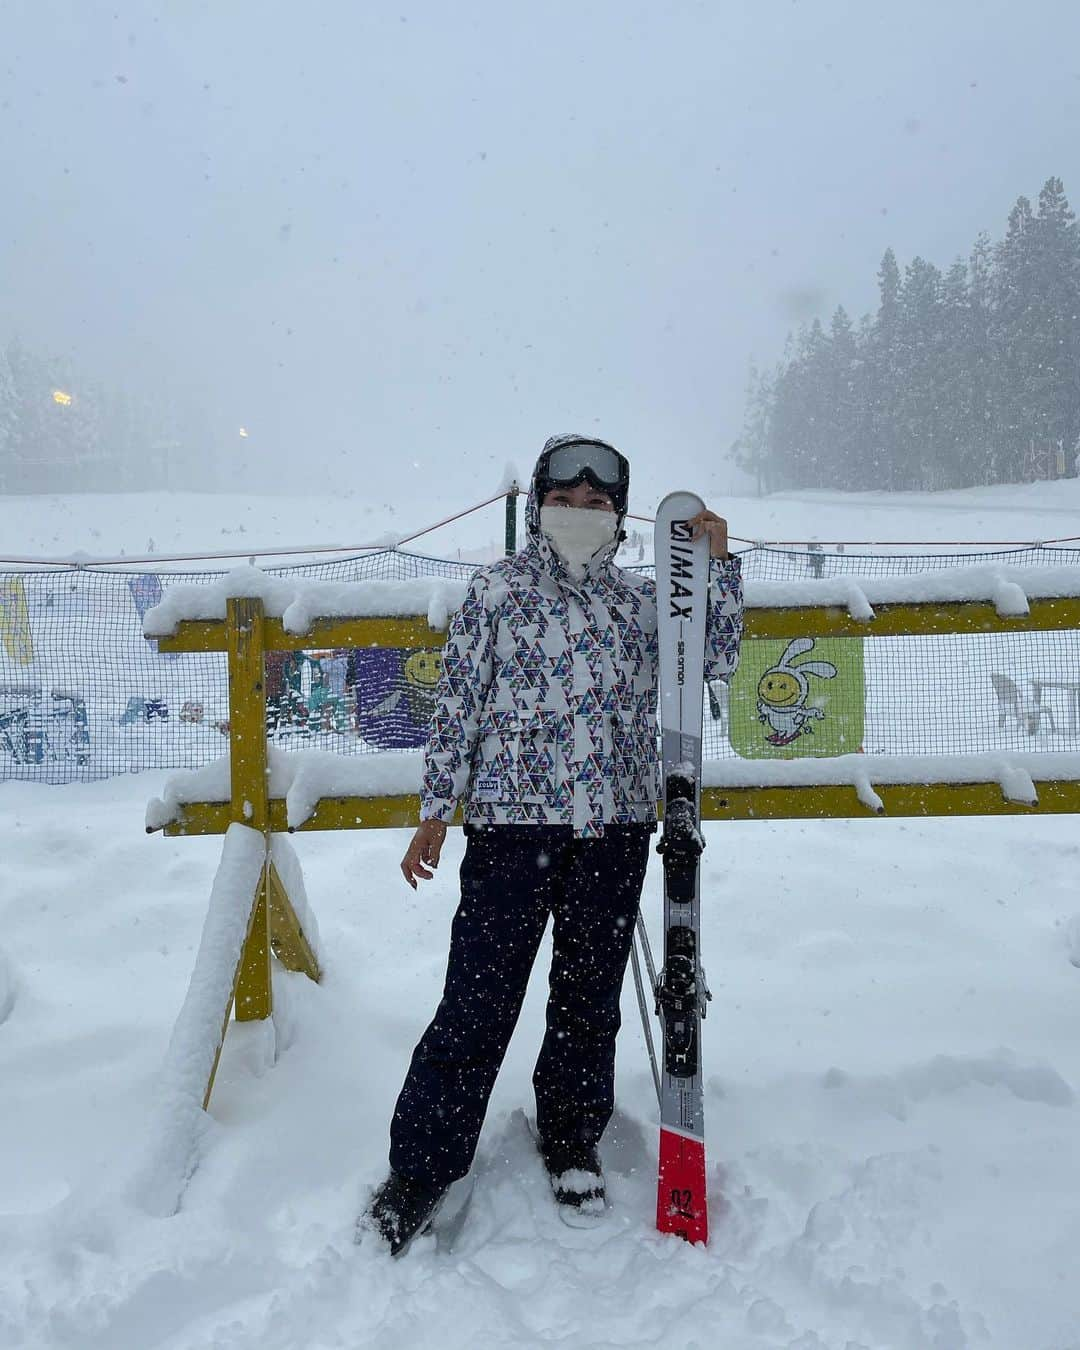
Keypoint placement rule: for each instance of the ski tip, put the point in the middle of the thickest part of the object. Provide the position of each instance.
(679, 502)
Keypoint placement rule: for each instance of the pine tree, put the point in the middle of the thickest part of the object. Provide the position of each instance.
(1014, 344)
(818, 447)
(955, 380)
(846, 401)
(1054, 380)
(883, 378)
(889, 287)
(786, 423)
(917, 396)
(978, 459)
(751, 450)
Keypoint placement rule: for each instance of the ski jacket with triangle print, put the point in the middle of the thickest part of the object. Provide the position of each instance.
(545, 712)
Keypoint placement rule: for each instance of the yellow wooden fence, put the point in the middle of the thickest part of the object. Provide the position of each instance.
(246, 634)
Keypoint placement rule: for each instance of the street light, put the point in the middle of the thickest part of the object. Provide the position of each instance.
(61, 397)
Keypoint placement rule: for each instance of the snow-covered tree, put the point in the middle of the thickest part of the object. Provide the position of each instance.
(969, 377)
(917, 396)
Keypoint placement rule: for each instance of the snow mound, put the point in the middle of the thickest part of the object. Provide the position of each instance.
(1028, 1081)
(180, 1122)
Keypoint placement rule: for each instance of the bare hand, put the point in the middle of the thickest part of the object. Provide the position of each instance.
(424, 848)
(708, 522)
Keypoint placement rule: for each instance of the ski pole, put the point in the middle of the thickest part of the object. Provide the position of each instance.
(643, 1007)
(646, 948)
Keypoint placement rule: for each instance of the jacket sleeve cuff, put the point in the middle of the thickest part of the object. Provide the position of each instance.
(431, 809)
(731, 566)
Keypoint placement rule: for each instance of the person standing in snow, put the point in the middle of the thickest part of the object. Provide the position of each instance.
(545, 730)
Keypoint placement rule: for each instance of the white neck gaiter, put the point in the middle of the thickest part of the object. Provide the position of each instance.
(576, 533)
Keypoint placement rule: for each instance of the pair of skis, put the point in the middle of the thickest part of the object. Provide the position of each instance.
(680, 991)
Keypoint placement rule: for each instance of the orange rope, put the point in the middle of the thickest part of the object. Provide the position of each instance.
(440, 523)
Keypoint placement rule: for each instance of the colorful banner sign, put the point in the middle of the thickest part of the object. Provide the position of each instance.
(395, 695)
(798, 699)
(15, 622)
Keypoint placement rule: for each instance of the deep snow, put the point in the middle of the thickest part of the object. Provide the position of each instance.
(891, 1111)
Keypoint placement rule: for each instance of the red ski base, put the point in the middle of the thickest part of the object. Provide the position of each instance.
(681, 1204)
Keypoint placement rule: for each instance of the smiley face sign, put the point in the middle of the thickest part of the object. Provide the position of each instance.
(422, 670)
(799, 698)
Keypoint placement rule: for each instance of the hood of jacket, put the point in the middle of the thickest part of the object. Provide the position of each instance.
(539, 543)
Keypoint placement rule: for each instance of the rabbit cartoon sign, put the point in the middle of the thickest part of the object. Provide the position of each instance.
(798, 699)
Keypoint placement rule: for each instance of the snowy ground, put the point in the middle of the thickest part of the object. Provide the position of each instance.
(892, 1123)
(894, 1056)
(135, 524)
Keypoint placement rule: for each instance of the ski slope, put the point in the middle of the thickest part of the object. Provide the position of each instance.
(149, 523)
(892, 1062)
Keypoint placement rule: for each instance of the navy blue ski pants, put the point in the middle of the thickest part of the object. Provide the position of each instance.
(512, 878)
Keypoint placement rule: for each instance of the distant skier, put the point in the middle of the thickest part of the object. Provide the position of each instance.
(545, 729)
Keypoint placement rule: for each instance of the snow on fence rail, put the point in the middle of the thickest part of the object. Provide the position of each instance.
(301, 604)
(317, 790)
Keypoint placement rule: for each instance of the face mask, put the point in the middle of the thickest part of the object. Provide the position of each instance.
(576, 532)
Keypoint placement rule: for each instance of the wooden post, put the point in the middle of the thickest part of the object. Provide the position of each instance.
(287, 938)
(250, 804)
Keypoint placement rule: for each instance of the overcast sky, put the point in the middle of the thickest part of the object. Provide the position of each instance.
(386, 235)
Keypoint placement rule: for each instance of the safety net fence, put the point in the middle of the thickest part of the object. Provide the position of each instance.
(84, 695)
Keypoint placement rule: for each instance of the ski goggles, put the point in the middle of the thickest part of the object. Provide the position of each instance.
(585, 461)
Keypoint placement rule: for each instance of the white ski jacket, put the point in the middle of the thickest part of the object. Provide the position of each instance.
(545, 712)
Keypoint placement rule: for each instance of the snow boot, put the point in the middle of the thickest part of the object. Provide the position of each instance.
(400, 1210)
(577, 1182)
